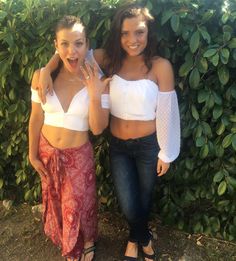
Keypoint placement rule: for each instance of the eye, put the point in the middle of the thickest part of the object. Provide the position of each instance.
(78, 44)
(124, 34)
(64, 44)
(140, 32)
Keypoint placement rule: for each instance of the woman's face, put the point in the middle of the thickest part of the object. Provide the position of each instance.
(134, 35)
(71, 45)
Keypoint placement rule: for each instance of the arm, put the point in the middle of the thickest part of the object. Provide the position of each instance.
(45, 81)
(35, 125)
(167, 122)
(99, 56)
(97, 90)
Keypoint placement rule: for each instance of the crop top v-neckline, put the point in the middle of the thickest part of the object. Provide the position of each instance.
(71, 102)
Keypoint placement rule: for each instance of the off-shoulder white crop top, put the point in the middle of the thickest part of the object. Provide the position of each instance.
(76, 118)
(142, 100)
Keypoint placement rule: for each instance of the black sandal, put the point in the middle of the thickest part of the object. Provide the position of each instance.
(89, 250)
(152, 256)
(130, 258)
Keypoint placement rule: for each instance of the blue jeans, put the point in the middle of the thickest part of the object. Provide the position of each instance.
(133, 167)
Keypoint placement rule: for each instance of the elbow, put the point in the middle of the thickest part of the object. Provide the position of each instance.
(97, 130)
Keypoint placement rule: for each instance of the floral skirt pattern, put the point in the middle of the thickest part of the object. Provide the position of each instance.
(69, 196)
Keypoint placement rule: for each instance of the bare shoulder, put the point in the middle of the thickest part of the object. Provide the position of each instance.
(163, 72)
(99, 55)
(160, 63)
(35, 79)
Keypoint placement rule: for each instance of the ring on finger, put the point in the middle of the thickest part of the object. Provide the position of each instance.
(87, 77)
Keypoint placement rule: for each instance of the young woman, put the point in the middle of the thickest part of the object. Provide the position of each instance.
(145, 125)
(59, 147)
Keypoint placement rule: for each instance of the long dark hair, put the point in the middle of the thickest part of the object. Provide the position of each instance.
(114, 51)
(67, 22)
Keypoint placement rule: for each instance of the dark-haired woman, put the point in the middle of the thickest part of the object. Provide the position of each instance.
(59, 147)
(145, 125)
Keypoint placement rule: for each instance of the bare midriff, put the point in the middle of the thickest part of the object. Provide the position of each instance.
(62, 138)
(127, 129)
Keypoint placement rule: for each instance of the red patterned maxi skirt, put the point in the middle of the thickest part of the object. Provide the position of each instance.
(69, 196)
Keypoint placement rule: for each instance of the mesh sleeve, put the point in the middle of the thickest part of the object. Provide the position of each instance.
(105, 101)
(168, 126)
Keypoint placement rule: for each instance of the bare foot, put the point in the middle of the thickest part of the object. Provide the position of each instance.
(149, 251)
(131, 250)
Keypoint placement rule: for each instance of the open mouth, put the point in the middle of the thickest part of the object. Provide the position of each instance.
(132, 47)
(73, 62)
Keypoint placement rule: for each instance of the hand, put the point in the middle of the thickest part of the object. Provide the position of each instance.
(39, 167)
(162, 167)
(45, 84)
(91, 79)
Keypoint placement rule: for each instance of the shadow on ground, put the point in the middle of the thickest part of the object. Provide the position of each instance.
(22, 239)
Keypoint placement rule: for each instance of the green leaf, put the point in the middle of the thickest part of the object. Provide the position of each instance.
(232, 181)
(194, 78)
(220, 128)
(226, 36)
(185, 68)
(202, 96)
(224, 55)
(204, 151)
(232, 118)
(222, 188)
(194, 41)
(209, 53)
(202, 65)
(1, 183)
(232, 43)
(217, 112)
(195, 112)
(225, 18)
(215, 59)
(200, 141)
(166, 16)
(175, 23)
(223, 74)
(12, 95)
(12, 108)
(3, 14)
(227, 141)
(218, 176)
(234, 142)
(205, 35)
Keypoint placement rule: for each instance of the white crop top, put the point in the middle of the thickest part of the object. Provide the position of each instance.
(76, 118)
(142, 100)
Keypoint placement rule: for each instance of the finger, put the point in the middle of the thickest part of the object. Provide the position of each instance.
(95, 70)
(40, 92)
(50, 87)
(89, 69)
(85, 74)
(158, 168)
(107, 81)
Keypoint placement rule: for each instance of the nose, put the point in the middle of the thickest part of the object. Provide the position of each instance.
(72, 49)
(132, 38)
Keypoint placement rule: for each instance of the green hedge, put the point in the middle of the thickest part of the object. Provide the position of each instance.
(199, 38)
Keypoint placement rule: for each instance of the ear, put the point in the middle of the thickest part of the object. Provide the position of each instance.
(56, 44)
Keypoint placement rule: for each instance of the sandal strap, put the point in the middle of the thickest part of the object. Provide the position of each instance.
(153, 256)
(130, 258)
(89, 249)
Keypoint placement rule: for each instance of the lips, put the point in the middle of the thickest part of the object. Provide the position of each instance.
(73, 62)
(132, 47)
